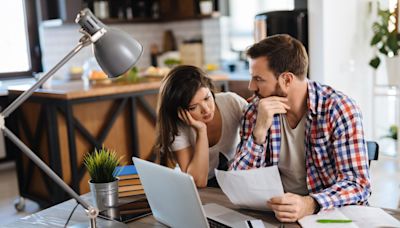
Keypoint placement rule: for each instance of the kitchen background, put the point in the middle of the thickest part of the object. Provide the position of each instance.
(339, 35)
(58, 40)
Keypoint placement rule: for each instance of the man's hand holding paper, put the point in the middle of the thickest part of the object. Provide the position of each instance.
(290, 207)
(251, 188)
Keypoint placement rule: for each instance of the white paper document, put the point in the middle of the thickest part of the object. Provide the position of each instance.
(251, 188)
(361, 216)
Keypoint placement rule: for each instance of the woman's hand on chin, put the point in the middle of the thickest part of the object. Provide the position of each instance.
(185, 116)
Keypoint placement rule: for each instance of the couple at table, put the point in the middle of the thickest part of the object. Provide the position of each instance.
(312, 132)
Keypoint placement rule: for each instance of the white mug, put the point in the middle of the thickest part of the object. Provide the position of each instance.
(206, 7)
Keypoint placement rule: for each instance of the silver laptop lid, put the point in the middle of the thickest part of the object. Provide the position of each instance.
(172, 195)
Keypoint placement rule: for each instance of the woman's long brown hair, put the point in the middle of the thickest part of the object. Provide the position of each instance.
(177, 90)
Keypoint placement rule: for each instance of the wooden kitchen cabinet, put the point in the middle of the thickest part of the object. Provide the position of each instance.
(131, 11)
(125, 11)
(178, 9)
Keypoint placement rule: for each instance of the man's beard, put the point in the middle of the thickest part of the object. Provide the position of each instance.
(278, 92)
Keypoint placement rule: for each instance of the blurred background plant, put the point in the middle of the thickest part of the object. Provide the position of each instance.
(131, 76)
(171, 63)
(392, 132)
(385, 38)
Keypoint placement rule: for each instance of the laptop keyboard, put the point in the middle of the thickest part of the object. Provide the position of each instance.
(214, 224)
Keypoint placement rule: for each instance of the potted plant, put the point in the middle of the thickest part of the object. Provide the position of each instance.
(387, 41)
(103, 182)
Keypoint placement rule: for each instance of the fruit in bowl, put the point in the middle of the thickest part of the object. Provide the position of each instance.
(99, 77)
(156, 71)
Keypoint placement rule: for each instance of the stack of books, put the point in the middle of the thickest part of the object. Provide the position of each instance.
(129, 183)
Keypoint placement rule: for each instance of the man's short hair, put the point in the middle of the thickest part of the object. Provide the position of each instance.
(284, 54)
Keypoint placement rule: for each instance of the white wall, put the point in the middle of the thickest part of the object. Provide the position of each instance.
(59, 40)
(339, 34)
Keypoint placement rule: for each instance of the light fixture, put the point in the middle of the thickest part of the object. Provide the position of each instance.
(115, 51)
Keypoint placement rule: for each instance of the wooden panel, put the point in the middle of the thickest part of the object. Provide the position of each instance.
(185, 9)
(37, 185)
(93, 116)
(177, 9)
(64, 147)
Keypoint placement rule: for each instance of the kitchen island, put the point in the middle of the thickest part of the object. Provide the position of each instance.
(65, 121)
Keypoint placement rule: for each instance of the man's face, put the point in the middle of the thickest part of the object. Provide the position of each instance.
(263, 81)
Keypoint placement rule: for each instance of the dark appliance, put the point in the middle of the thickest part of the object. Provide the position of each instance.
(293, 22)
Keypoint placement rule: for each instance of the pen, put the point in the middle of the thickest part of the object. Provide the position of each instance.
(334, 221)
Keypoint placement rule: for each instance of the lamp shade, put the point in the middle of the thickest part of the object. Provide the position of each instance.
(116, 52)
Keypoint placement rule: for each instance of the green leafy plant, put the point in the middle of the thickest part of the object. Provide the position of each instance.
(133, 75)
(392, 132)
(130, 76)
(170, 62)
(385, 38)
(101, 165)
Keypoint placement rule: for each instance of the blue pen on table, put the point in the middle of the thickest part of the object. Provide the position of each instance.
(334, 220)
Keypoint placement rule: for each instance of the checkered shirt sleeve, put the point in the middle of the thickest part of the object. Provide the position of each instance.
(351, 184)
(248, 153)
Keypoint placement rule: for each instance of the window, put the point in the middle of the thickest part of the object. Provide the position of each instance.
(19, 42)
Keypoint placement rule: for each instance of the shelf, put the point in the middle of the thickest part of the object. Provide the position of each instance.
(126, 21)
(148, 11)
(386, 90)
(150, 20)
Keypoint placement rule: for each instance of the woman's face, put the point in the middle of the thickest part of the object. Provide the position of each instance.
(202, 105)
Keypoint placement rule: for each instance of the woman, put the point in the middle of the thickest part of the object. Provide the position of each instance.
(197, 128)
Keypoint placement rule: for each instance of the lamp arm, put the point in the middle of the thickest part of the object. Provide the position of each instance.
(92, 211)
(26, 94)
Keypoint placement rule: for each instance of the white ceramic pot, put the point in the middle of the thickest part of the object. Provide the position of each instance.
(393, 70)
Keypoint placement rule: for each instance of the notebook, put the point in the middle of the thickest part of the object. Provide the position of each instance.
(355, 216)
(129, 211)
(175, 202)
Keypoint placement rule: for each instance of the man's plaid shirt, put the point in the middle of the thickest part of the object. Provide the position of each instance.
(336, 154)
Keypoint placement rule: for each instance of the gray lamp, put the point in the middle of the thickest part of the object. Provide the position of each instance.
(115, 51)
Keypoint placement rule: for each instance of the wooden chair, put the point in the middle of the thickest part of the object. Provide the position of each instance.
(373, 151)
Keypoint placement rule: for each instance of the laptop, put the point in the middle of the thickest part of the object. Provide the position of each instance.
(175, 202)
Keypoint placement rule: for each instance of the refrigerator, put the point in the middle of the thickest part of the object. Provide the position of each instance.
(292, 22)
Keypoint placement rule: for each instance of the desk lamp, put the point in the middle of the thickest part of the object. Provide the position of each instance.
(115, 51)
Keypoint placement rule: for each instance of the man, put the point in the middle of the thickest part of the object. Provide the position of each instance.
(313, 133)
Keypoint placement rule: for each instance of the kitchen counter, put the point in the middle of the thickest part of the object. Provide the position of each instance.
(5, 84)
(77, 89)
